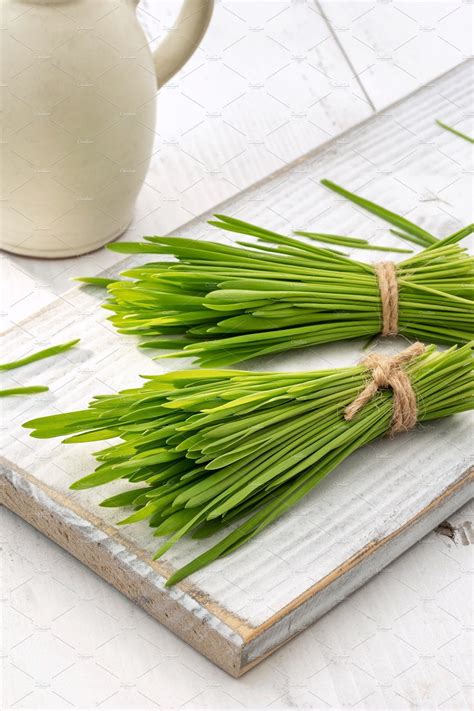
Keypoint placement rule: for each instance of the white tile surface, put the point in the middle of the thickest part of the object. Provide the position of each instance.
(401, 642)
(397, 46)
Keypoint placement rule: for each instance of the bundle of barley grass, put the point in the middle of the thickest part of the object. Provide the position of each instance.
(202, 450)
(223, 304)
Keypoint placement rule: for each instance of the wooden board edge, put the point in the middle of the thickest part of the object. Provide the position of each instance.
(343, 581)
(234, 647)
(175, 609)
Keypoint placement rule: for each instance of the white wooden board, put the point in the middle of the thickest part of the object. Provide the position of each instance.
(365, 514)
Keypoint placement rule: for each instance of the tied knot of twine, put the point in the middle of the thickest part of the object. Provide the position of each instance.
(388, 286)
(388, 372)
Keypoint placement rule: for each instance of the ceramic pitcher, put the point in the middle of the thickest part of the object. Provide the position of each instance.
(79, 84)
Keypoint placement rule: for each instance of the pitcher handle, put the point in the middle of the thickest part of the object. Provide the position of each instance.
(183, 39)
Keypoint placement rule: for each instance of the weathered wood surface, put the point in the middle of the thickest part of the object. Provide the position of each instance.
(365, 514)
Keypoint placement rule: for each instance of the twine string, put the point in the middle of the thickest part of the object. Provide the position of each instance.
(388, 372)
(388, 286)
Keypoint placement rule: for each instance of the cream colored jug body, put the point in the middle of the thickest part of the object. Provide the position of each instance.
(79, 89)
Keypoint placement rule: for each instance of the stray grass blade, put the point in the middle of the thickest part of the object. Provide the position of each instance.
(39, 355)
(455, 131)
(421, 235)
(29, 390)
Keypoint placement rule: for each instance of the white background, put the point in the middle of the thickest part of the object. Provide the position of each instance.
(271, 81)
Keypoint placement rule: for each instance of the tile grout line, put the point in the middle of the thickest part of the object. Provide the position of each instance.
(344, 54)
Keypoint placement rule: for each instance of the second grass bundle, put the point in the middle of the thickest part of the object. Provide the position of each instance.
(223, 304)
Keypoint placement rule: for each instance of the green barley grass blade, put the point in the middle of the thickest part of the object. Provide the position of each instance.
(126, 498)
(29, 390)
(408, 238)
(95, 281)
(391, 217)
(456, 237)
(198, 450)
(132, 248)
(39, 355)
(455, 131)
(94, 436)
(353, 242)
